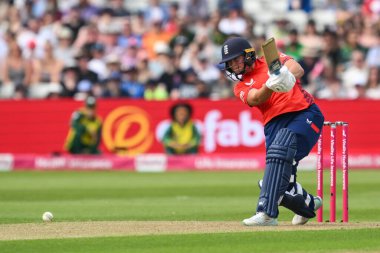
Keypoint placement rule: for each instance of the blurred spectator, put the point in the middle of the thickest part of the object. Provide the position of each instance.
(259, 40)
(188, 88)
(172, 77)
(64, 50)
(356, 75)
(293, 47)
(310, 37)
(217, 36)
(222, 89)
(373, 55)
(88, 36)
(155, 91)
(5, 40)
(128, 38)
(233, 23)
(369, 34)
(351, 43)
(85, 130)
(193, 10)
(48, 68)
(87, 10)
(370, 8)
(109, 38)
(156, 12)
(48, 26)
(206, 47)
(112, 87)
(21, 92)
(154, 36)
(178, 47)
(73, 21)
(105, 21)
(40, 7)
(69, 80)
(331, 48)
(16, 70)
(188, 56)
(182, 136)
(65, 6)
(172, 24)
(113, 65)
(118, 8)
(139, 24)
(202, 28)
(305, 5)
(373, 84)
(307, 62)
(279, 29)
(143, 69)
(97, 63)
(32, 40)
(206, 71)
(224, 6)
(130, 84)
(131, 56)
(182, 39)
(86, 77)
(98, 90)
(324, 82)
(13, 19)
(203, 89)
(360, 90)
(161, 62)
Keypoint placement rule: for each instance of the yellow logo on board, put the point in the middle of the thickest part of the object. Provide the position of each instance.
(126, 130)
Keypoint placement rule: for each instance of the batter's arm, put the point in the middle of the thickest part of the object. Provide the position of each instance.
(258, 96)
(295, 68)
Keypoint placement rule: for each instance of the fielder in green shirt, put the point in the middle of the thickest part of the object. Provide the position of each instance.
(85, 132)
(182, 136)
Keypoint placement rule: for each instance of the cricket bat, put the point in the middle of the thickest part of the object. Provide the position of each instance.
(271, 56)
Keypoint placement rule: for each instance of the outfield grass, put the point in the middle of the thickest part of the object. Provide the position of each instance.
(202, 196)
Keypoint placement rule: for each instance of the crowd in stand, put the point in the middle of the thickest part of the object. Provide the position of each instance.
(171, 49)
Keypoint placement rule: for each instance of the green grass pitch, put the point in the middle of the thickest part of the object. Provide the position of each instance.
(74, 196)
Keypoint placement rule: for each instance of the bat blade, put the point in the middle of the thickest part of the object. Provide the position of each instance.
(271, 56)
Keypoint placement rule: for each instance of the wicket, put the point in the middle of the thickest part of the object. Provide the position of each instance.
(333, 127)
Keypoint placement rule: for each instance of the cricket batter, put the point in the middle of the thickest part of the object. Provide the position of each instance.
(292, 125)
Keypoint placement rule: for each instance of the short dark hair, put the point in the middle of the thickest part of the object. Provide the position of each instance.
(90, 102)
(185, 105)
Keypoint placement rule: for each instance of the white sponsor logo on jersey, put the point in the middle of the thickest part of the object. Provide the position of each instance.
(251, 82)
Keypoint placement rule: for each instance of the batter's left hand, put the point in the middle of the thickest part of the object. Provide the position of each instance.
(282, 82)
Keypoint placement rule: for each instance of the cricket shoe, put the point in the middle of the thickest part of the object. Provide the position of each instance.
(300, 220)
(260, 219)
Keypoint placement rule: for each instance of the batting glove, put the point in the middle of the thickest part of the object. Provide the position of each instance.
(282, 82)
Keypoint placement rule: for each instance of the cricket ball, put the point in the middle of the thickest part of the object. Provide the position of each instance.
(47, 216)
